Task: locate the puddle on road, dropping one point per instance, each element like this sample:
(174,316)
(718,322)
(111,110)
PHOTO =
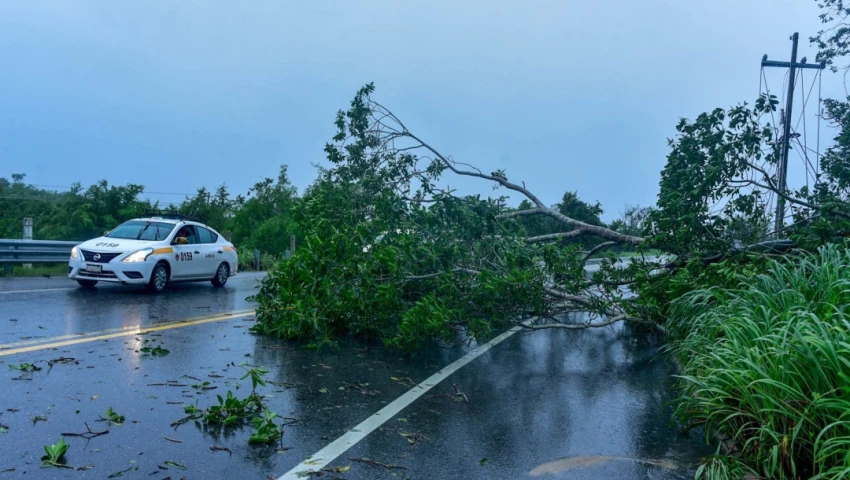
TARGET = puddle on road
(562,465)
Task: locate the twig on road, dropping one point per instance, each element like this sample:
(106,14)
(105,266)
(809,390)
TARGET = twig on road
(216,448)
(364,391)
(50,363)
(89,434)
(292,421)
(377,464)
(290,385)
(458,395)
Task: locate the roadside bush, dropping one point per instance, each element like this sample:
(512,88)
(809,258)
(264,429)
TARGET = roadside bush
(246,259)
(268,261)
(768,364)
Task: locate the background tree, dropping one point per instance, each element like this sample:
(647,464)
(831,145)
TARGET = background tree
(212,208)
(265,218)
(571,206)
(633,220)
(73,215)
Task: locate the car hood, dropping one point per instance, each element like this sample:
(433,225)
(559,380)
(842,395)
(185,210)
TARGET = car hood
(120,245)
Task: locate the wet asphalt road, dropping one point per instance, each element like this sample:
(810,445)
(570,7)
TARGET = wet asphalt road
(596,397)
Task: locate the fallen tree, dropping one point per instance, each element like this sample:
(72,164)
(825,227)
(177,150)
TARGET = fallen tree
(392,252)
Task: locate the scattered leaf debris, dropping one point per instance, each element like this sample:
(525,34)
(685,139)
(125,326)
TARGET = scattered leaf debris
(377,464)
(216,448)
(122,472)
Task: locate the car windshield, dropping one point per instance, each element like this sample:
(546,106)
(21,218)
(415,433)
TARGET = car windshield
(142,230)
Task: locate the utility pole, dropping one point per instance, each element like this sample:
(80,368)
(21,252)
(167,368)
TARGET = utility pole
(782,173)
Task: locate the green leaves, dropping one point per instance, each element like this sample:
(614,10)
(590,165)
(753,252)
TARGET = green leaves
(266,430)
(113,417)
(705,197)
(54,453)
(25,367)
(256,374)
(155,351)
(232,411)
(761,356)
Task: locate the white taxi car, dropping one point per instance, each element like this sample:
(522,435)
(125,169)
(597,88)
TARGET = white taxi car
(154,251)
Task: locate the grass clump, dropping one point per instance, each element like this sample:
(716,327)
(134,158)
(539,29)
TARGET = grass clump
(768,365)
(37,270)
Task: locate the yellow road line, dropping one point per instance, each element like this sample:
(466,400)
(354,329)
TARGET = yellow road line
(9,292)
(95,336)
(135,328)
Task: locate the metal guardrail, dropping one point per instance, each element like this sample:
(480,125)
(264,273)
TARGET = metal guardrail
(35,251)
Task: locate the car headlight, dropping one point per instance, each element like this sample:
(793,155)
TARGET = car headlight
(139,256)
(74,253)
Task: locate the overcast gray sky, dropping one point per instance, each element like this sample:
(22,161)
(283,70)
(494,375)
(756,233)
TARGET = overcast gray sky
(565,95)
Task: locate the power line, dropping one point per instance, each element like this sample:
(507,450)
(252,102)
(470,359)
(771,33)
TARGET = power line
(782,171)
(817,166)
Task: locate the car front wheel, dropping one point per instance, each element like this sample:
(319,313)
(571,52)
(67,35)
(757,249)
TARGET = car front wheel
(159,278)
(221,275)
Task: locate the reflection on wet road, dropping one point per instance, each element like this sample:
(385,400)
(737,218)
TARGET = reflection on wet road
(54,307)
(544,405)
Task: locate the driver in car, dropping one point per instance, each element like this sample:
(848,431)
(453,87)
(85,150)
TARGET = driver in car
(182,237)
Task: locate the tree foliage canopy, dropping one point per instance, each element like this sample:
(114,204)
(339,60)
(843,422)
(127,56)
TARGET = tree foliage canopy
(390,253)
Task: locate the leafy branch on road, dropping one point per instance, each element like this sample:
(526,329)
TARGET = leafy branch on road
(231,410)
(112,417)
(54,454)
(266,430)
(25,367)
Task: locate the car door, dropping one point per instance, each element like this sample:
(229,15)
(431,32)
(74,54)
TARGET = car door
(187,257)
(210,255)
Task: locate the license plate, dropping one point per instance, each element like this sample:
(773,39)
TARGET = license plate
(94,268)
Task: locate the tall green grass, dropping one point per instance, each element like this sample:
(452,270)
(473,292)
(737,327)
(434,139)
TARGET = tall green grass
(768,364)
(37,270)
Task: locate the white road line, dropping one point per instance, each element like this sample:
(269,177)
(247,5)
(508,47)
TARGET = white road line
(36,290)
(336,448)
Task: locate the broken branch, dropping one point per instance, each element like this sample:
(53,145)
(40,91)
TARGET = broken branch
(89,434)
(377,464)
